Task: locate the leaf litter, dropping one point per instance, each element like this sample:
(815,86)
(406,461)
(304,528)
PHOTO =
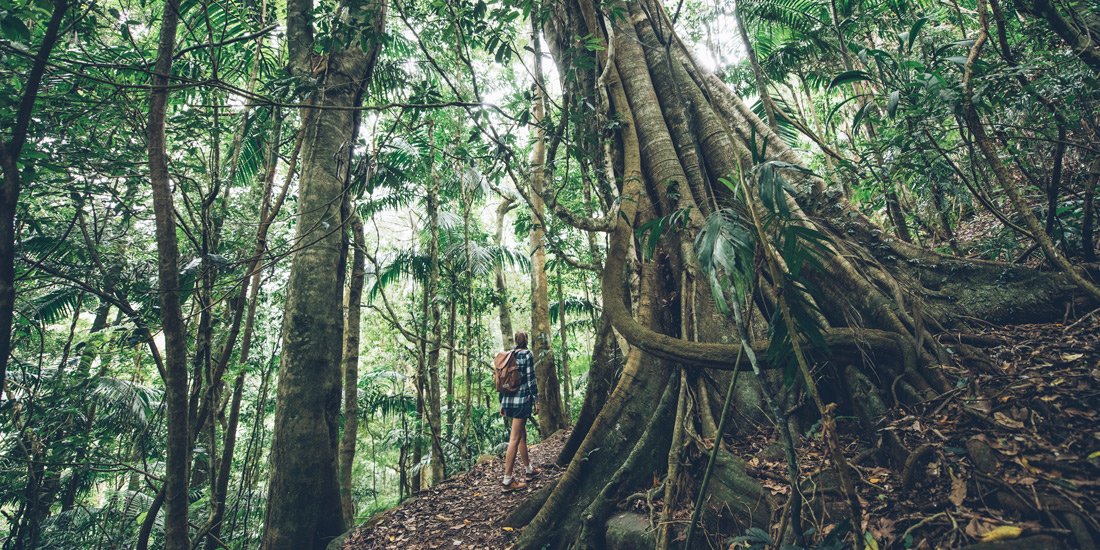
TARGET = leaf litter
(465,511)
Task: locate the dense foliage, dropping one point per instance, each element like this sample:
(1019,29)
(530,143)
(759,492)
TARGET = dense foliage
(875,95)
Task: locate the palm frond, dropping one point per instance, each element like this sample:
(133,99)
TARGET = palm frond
(573,306)
(125,401)
(804,15)
(404,264)
(724,248)
(53,306)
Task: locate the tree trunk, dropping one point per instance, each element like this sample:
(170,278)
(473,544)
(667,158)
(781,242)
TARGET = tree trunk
(552,416)
(175,337)
(221,487)
(10,152)
(566,378)
(303,507)
(506,331)
(679,126)
(757,72)
(431,344)
(1088,220)
(351,369)
(1079,40)
(467,337)
(452,315)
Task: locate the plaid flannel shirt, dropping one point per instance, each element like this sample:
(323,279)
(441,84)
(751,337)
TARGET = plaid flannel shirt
(528,388)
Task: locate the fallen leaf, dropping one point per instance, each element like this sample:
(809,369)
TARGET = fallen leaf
(958,491)
(1067,357)
(976,526)
(509,529)
(1004,532)
(1004,420)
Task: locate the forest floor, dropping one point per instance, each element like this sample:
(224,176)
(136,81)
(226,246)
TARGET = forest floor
(1012,452)
(465,511)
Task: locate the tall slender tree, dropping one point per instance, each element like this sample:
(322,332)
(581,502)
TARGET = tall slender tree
(350,435)
(506,333)
(10,151)
(552,415)
(175,337)
(303,507)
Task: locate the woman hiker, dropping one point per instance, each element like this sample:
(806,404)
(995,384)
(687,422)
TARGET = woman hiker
(519,406)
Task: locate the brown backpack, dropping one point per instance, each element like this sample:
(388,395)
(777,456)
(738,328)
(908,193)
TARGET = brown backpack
(506,375)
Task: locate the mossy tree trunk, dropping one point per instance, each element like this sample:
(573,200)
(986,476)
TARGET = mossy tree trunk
(350,435)
(678,131)
(552,415)
(431,344)
(303,507)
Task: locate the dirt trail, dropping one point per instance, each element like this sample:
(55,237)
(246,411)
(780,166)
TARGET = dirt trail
(466,511)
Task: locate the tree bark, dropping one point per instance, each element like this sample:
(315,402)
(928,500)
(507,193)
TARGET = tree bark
(552,416)
(175,337)
(351,369)
(1079,40)
(303,508)
(757,72)
(221,487)
(506,332)
(566,378)
(10,152)
(431,344)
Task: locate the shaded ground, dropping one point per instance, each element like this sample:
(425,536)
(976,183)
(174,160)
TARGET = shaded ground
(1013,451)
(1015,445)
(466,511)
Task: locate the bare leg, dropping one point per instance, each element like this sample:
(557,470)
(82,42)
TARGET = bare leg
(524,458)
(514,440)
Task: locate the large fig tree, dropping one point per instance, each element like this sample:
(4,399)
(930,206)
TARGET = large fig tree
(723,247)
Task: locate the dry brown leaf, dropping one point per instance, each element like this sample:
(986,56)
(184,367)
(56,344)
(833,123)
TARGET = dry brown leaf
(958,491)
(1007,421)
(976,527)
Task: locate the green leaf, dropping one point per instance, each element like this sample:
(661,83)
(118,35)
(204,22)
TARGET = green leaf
(862,112)
(892,105)
(847,77)
(835,110)
(15,30)
(914,32)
